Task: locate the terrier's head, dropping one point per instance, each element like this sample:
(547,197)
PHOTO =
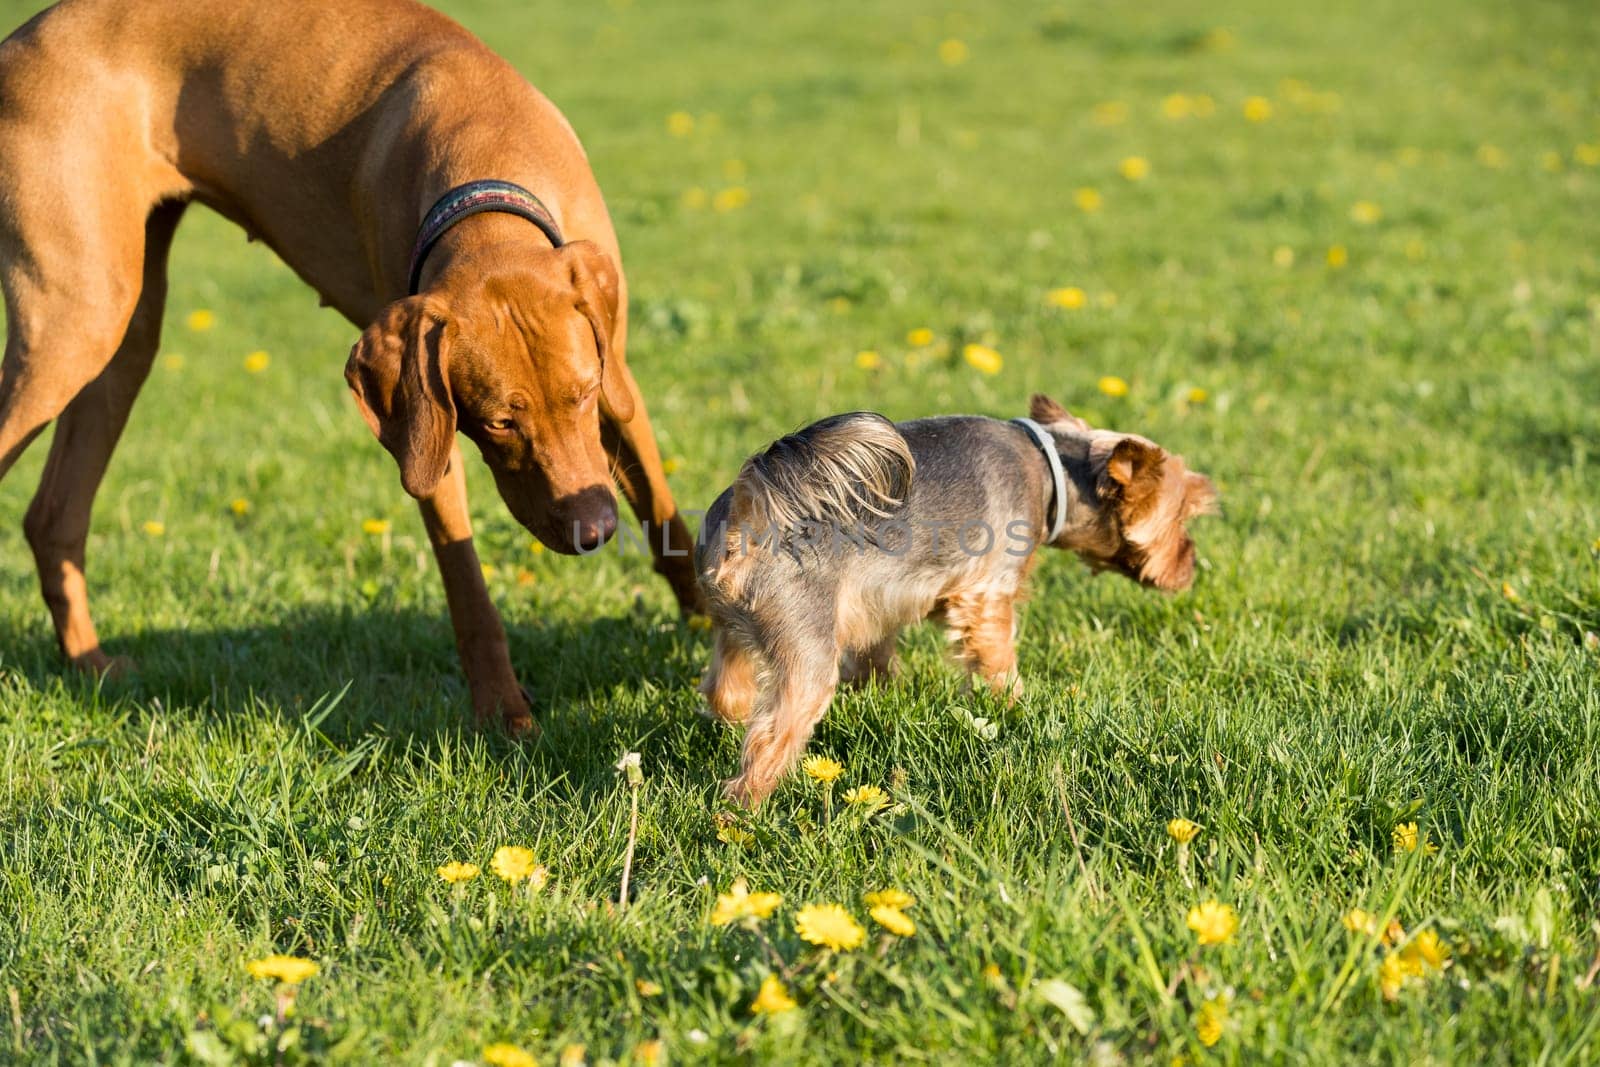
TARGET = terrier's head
(1131,500)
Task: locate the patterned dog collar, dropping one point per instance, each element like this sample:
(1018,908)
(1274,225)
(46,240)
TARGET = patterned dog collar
(1058,474)
(471,199)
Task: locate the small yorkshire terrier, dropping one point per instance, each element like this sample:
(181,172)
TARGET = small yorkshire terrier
(837,536)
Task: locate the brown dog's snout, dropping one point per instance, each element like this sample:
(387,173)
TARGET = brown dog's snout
(588,518)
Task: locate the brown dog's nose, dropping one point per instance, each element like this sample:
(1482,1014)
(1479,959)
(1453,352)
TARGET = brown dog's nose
(592,524)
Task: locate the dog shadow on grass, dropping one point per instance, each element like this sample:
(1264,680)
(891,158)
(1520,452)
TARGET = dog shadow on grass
(393,671)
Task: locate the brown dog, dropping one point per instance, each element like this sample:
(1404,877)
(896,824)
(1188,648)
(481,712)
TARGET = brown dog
(329,131)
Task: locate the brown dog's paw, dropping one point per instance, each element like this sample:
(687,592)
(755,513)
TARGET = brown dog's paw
(112,668)
(511,714)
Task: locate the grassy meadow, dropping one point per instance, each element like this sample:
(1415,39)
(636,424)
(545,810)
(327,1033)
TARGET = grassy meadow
(1346,261)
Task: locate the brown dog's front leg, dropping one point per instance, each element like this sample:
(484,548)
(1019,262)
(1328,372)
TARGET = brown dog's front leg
(480,637)
(637,462)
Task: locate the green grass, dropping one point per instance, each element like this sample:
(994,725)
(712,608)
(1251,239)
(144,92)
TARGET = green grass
(1394,440)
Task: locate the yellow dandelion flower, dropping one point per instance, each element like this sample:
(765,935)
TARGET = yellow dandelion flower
(536,547)
(1551,161)
(1405,837)
(893,920)
(154,528)
(257,361)
(867,359)
(1491,156)
(898,899)
(1110,113)
(821,768)
(375,527)
(488,570)
(512,863)
(739,904)
(1113,386)
(1587,154)
(921,337)
(454,872)
(735,835)
(573,1055)
(1432,949)
(734,170)
(1365,212)
(1391,976)
(672,465)
(505,1054)
(239,506)
(773,999)
(1182,830)
(1338,256)
(700,622)
(870,797)
(1415,250)
(680,124)
(1394,933)
(1283,257)
(1177,106)
(830,926)
(1070,297)
(1257,108)
(290,970)
(526,577)
(647,988)
(652,1053)
(172,361)
(200,320)
(694,198)
(983,358)
(1211,1020)
(1509,591)
(1358,921)
(1087,199)
(1134,168)
(953,53)
(1213,923)
(730,199)
(1197,395)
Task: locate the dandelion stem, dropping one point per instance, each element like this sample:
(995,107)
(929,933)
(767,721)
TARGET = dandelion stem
(633,839)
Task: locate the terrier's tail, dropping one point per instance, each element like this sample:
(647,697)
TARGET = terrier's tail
(841,469)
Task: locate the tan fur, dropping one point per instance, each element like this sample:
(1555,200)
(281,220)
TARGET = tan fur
(1131,519)
(326,130)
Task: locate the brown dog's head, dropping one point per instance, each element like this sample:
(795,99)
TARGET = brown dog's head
(1133,500)
(517,354)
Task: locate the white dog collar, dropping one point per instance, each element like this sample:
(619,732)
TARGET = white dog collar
(1047,445)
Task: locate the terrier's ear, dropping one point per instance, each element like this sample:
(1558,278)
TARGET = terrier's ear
(1134,463)
(1045,410)
(1199,495)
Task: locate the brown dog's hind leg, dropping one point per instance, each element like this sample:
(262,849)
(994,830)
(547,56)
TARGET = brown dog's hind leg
(57,523)
(730,682)
(795,692)
(636,462)
(480,636)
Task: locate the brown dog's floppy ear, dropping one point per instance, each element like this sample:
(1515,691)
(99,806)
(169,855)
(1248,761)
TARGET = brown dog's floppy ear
(400,374)
(597,283)
(1043,409)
